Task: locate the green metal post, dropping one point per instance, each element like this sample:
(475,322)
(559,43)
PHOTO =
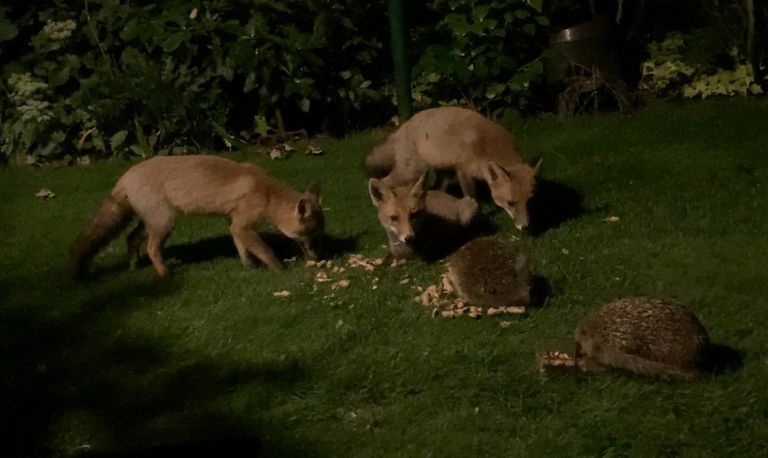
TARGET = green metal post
(400,59)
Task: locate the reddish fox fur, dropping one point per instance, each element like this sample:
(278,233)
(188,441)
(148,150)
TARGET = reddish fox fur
(465,141)
(159,189)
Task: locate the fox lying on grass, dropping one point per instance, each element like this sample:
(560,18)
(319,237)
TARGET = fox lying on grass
(467,142)
(420,222)
(159,189)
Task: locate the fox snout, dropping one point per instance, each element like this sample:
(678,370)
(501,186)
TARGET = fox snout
(402,236)
(520,218)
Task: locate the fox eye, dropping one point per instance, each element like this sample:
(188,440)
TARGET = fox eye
(394,218)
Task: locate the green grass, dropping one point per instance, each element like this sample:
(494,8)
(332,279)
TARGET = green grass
(209,357)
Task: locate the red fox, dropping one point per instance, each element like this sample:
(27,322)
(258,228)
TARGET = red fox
(405,212)
(467,142)
(159,189)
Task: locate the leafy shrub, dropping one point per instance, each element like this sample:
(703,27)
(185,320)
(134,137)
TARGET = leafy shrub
(671,71)
(483,53)
(109,77)
(133,78)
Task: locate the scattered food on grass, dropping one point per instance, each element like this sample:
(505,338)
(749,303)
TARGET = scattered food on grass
(360,261)
(554,359)
(501,310)
(283,293)
(443,302)
(398,262)
(611,219)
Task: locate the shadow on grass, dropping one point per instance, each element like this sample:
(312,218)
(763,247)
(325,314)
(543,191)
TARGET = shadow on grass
(234,448)
(541,290)
(552,204)
(719,359)
(222,246)
(76,379)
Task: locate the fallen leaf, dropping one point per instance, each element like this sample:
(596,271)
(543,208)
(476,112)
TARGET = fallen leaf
(313,151)
(45,193)
(283,293)
(611,219)
(277,153)
(517,309)
(447,285)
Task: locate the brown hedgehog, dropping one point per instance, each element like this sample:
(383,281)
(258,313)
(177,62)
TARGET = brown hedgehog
(488,272)
(647,336)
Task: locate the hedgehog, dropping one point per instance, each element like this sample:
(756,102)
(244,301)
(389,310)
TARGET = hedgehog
(488,272)
(652,337)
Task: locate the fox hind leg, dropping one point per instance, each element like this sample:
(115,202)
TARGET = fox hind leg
(158,226)
(137,242)
(156,237)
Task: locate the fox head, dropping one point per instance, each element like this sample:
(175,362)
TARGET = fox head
(400,209)
(307,223)
(511,188)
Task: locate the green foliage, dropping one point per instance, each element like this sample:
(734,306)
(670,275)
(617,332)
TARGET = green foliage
(106,77)
(112,78)
(676,68)
(483,54)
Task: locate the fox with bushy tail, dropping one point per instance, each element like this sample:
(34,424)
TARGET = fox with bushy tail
(159,189)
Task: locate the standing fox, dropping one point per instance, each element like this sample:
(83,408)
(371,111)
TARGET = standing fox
(418,221)
(467,142)
(159,189)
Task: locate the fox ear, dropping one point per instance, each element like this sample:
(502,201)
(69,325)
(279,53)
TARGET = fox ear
(493,171)
(538,165)
(303,208)
(379,191)
(420,187)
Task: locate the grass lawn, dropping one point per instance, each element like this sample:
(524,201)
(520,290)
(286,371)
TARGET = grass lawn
(208,359)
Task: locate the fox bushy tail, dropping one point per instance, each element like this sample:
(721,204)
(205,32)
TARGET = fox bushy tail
(112,217)
(381,160)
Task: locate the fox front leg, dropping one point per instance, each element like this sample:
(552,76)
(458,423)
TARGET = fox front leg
(467,184)
(247,240)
